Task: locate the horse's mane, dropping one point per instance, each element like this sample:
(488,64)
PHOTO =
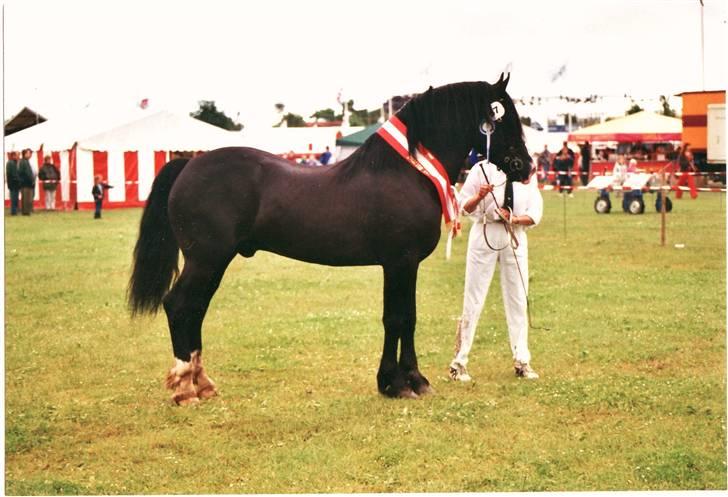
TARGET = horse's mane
(463,103)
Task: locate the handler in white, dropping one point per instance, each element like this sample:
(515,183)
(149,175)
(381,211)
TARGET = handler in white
(481,260)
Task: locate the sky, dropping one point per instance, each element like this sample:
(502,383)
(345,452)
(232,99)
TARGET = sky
(249,55)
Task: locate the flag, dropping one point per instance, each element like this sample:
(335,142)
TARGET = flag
(559,73)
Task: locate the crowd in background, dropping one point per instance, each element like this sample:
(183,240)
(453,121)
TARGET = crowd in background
(21,180)
(560,169)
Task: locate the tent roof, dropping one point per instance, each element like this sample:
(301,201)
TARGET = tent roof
(642,126)
(358,138)
(98,128)
(62,132)
(162,130)
(25,118)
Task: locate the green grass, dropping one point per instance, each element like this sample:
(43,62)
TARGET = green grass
(632,392)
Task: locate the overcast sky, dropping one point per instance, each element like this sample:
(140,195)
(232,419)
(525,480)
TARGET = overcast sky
(247,56)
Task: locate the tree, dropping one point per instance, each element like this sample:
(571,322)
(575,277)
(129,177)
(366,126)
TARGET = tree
(666,109)
(208,113)
(326,115)
(362,117)
(292,121)
(633,110)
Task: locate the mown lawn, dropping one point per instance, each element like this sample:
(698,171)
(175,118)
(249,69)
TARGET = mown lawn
(632,392)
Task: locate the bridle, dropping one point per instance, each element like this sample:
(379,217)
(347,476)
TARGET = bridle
(487,129)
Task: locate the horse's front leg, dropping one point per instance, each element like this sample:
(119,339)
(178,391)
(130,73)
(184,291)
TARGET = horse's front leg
(395,379)
(407,355)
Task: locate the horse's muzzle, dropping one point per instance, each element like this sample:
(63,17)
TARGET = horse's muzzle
(516,169)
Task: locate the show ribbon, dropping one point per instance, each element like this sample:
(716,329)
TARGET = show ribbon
(394,132)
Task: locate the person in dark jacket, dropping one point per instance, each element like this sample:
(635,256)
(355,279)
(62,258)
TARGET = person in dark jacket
(12,179)
(27,182)
(564,164)
(50,176)
(98,192)
(585,163)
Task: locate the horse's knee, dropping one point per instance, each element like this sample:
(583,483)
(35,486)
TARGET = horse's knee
(402,322)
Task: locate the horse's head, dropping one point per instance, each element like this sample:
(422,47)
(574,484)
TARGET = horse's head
(499,122)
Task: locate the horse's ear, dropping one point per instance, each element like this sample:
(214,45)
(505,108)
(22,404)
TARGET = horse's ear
(500,80)
(505,81)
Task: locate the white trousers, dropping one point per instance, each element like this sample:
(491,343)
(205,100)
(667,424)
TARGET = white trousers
(479,269)
(50,199)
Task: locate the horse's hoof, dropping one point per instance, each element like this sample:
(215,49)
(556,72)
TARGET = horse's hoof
(207,392)
(185,399)
(425,390)
(407,393)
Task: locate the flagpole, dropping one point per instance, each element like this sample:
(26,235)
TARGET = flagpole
(702,43)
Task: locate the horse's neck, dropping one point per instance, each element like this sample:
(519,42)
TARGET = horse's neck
(450,148)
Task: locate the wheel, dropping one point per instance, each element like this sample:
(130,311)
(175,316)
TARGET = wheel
(658,203)
(637,206)
(602,205)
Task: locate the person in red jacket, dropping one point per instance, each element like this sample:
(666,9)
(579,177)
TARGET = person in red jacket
(687,167)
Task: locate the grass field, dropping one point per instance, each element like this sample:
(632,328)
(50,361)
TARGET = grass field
(632,392)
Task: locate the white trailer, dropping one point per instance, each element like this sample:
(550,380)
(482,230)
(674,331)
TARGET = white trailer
(716,134)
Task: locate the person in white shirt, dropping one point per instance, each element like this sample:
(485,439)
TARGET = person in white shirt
(489,242)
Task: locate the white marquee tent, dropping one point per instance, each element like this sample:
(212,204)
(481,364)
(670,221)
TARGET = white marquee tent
(127,149)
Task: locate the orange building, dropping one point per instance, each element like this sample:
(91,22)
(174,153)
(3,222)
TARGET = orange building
(695,117)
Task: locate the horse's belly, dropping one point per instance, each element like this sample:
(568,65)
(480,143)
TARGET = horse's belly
(322,249)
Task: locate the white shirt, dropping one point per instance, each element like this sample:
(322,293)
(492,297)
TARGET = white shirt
(527,200)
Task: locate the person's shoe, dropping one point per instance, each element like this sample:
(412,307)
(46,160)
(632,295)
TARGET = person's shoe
(459,373)
(523,370)
(571,195)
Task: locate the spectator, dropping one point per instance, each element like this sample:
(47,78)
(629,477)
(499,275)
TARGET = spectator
(98,192)
(585,163)
(13,181)
(687,168)
(619,173)
(325,157)
(27,182)
(50,177)
(564,165)
(632,167)
(544,162)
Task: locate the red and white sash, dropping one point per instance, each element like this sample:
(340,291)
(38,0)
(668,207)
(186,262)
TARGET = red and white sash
(394,132)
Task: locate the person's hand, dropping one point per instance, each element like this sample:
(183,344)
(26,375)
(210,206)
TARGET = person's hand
(484,190)
(504,213)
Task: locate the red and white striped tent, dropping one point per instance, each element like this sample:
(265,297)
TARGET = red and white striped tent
(127,150)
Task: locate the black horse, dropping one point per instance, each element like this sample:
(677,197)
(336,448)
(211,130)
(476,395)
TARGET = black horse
(373,208)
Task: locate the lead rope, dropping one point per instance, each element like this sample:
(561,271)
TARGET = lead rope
(508,226)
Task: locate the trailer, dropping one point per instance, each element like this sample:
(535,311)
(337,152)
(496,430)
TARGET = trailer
(633,188)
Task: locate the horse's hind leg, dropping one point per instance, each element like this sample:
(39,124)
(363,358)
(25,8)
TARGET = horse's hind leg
(186,305)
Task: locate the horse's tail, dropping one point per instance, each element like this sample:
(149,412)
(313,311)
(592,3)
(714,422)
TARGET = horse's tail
(156,252)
